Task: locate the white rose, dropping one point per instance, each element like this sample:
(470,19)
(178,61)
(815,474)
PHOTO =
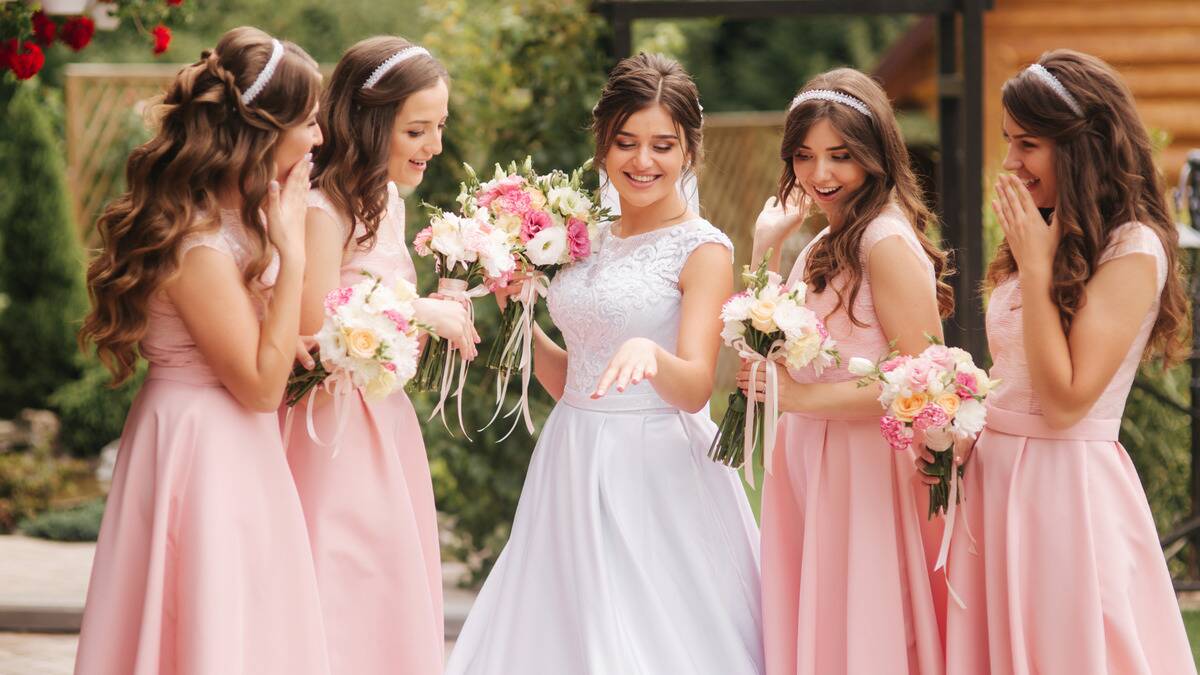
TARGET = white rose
(938,438)
(860,366)
(381,385)
(793,319)
(801,351)
(970,418)
(547,247)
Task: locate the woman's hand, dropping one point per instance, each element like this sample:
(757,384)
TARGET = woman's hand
(448,318)
(1032,241)
(792,394)
(514,287)
(635,361)
(962,453)
(304,347)
(287,206)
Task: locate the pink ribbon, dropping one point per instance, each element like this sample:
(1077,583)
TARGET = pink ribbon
(948,532)
(458,289)
(536,286)
(770,406)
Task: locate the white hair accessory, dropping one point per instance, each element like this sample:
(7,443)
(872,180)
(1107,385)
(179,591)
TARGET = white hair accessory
(402,55)
(1051,81)
(264,76)
(830,95)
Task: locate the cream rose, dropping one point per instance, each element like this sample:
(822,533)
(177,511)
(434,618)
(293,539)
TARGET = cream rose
(949,402)
(382,385)
(762,314)
(361,343)
(906,407)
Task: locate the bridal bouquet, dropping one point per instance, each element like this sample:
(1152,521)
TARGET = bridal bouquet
(549,220)
(767,322)
(940,392)
(367,342)
(466,250)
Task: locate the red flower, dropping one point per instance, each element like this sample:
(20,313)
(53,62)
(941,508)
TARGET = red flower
(174,3)
(25,61)
(78,32)
(162,38)
(44,28)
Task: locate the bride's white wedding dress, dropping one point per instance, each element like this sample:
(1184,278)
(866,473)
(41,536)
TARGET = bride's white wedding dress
(631,552)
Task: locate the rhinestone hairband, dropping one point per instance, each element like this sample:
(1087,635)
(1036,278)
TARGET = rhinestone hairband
(830,95)
(264,77)
(402,55)
(1051,81)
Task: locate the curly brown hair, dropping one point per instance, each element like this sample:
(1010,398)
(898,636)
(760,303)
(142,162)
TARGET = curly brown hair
(1104,165)
(206,139)
(350,167)
(876,144)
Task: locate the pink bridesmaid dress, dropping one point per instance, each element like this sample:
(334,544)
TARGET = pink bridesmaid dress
(203,564)
(1066,575)
(844,582)
(370,511)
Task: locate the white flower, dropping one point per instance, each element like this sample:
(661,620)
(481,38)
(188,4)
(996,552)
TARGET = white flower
(938,438)
(737,308)
(548,247)
(792,318)
(970,418)
(801,351)
(732,332)
(569,202)
(860,366)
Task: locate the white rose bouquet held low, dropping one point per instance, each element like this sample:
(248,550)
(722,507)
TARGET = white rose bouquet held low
(940,392)
(549,221)
(368,342)
(765,323)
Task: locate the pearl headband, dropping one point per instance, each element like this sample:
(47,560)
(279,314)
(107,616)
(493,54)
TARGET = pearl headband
(393,60)
(830,95)
(264,77)
(1051,81)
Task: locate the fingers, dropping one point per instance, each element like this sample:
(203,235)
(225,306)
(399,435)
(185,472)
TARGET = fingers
(606,379)
(302,354)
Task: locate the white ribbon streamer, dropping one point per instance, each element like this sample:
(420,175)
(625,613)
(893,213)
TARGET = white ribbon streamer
(458,290)
(536,286)
(770,406)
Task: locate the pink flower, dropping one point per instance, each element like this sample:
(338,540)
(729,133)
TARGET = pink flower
(931,416)
(336,298)
(397,318)
(939,354)
(919,370)
(577,239)
(390,366)
(533,222)
(821,330)
(492,283)
(421,241)
(897,435)
(968,387)
(892,364)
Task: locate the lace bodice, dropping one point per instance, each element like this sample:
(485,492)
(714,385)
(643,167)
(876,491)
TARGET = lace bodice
(1006,336)
(628,287)
(866,341)
(389,258)
(167,341)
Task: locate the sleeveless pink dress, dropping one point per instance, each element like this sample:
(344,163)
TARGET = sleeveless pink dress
(844,580)
(370,510)
(1067,576)
(203,564)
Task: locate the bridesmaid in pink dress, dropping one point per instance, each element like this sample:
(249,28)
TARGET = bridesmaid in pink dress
(1066,575)
(844,582)
(203,564)
(370,511)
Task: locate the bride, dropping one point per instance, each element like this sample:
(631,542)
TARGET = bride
(631,551)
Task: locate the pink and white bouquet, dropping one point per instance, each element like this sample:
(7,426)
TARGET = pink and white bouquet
(765,323)
(550,220)
(367,342)
(940,393)
(467,250)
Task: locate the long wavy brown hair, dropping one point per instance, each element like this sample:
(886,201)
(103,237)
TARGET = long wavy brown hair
(207,141)
(638,82)
(351,166)
(876,144)
(1104,166)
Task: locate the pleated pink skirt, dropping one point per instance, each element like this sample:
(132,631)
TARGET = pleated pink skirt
(845,580)
(1066,574)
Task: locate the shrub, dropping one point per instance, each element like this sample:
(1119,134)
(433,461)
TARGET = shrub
(77,523)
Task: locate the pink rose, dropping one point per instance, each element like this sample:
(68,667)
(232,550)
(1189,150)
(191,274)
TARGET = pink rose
(533,222)
(397,318)
(939,354)
(577,239)
(336,298)
(968,387)
(892,364)
(897,435)
(930,417)
(918,373)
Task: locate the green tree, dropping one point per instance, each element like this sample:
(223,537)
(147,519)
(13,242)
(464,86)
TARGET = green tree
(41,261)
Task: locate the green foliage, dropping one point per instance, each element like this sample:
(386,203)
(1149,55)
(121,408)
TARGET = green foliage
(31,480)
(41,260)
(77,523)
(91,411)
(1158,439)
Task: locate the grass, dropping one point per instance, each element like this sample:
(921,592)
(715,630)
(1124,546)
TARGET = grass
(1191,621)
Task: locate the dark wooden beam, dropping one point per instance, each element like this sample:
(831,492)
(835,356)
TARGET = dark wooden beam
(766,9)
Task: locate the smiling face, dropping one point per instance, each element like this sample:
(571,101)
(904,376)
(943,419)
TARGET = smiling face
(646,157)
(296,142)
(1031,159)
(825,170)
(417,134)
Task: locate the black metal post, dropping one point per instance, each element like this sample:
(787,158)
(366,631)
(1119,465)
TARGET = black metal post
(1192,192)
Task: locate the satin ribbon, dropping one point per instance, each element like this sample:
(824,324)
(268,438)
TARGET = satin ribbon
(536,286)
(340,388)
(457,289)
(770,406)
(948,532)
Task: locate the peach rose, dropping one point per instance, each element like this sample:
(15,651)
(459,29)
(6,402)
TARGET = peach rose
(949,402)
(361,343)
(905,408)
